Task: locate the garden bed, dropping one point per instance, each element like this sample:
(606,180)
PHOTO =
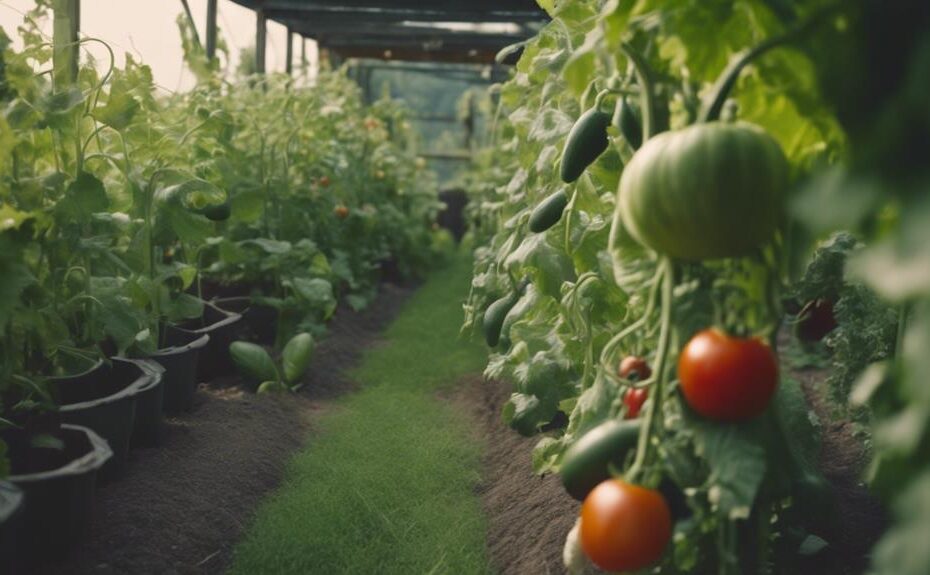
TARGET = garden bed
(528,516)
(183,506)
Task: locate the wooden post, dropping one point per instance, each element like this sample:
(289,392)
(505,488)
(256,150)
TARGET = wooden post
(65,37)
(211,30)
(261,33)
(303,55)
(289,59)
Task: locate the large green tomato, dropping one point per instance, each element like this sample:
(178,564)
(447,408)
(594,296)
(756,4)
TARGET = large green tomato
(709,191)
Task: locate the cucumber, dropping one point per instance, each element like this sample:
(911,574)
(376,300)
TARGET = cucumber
(548,212)
(494,318)
(629,123)
(216,212)
(585,464)
(586,141)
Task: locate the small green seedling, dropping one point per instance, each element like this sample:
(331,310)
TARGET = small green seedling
(257,364)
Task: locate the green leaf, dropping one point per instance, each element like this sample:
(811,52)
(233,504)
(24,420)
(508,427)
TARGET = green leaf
(14,278)
(248,206)
(295,358)
(271,247)
(55,103)
(119,110)
(84,196)
(253,361)
(525,414)
(316,292)
(268,387)
(737,466)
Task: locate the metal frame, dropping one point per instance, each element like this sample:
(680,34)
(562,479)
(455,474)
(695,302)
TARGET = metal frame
(378,29)
(402,29)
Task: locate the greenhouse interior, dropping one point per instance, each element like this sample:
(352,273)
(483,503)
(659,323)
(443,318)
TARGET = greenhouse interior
(423,287)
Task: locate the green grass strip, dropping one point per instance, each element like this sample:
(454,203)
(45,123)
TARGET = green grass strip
(386,484)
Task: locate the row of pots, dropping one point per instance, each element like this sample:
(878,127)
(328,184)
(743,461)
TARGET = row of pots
(46,504)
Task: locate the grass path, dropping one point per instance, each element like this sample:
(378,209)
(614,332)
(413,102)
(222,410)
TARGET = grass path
(386,484)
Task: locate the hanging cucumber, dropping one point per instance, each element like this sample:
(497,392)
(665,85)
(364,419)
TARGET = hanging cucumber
(548,212)
(586,141)
(630,124)
(494,316)
(587,462)
(216,212)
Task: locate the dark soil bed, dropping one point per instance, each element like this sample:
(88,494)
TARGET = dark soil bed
(859,518)
(528,516)
(182,507)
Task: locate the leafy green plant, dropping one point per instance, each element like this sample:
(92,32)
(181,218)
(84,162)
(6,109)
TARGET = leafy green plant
(256,363)
(654,246)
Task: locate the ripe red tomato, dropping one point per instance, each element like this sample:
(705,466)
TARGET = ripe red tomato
(727,378)
(624,527)
(634,368)
(341,212)
(634,399)
(815,320)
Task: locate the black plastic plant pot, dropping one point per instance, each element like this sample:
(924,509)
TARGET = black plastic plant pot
(11,519)
(147,429)
(260,320)
(105,400)
(180,377)
(222,326)
(58,485)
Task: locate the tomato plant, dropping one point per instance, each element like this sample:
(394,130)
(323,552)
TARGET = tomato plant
(122,207)
(702,210)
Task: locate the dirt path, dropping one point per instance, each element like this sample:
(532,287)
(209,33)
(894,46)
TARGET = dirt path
(182,507)
(528,516)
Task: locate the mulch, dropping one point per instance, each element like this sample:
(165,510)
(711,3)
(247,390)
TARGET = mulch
(181,507)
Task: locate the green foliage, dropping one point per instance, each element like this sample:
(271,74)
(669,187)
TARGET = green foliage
(119,205)
(598,294)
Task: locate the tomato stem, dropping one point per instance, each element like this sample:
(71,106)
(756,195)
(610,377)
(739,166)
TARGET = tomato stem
(610,347)
(654,412)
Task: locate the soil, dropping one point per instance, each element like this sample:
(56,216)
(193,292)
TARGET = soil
(528,515)
(181,507)
(859,518)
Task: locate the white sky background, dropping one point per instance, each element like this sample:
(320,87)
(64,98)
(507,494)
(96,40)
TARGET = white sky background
(147,29)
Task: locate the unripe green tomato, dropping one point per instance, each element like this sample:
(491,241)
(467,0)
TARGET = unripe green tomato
(709,191)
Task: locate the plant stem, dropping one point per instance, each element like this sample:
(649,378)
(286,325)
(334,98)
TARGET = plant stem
(654,413)
(712,108)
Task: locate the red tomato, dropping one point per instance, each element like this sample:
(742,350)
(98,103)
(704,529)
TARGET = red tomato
(624,527)
(727,378)
(815,320)
(341,212)
(634,399)
(634,368)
